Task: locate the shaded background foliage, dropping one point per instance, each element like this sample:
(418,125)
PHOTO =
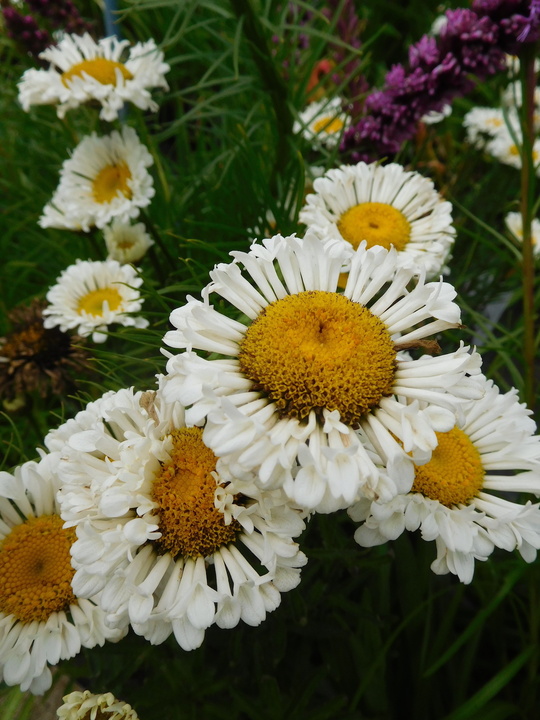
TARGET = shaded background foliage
(368,634)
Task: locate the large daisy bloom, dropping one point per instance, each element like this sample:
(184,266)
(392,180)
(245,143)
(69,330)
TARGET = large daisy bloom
(164,535)
(105,178)
(322,123)
(457,498)
(294,389)
(88,706)
(514,223)
(385,206)
(42,619)
(82,70)
(90,296)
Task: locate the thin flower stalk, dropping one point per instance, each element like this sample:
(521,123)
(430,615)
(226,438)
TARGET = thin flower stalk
(528,179)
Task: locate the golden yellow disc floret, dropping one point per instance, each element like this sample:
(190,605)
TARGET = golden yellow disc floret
(35,569)
(111,180)
(184,490)
(328,125)
(319,350)
(455,473)
(377,223)
(101,69)
(92,302)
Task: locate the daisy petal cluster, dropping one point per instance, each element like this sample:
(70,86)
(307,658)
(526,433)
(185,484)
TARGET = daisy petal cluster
(125,242)
(105,178)
(323,122)
(90,296)
(42,619)
(514,223)
(464,498)
(82,70)
(163,530)
(313,371)
(85,705)
(385,206)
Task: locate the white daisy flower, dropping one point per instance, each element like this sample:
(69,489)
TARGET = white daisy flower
(125,242)
(322,122)
(294,389)
(163,531)
(484,123)
(455,496)
(82,70)
(386,206)
(85,706)
(90,296)
(503,147)
(42,619)
(514,223)
(105,178)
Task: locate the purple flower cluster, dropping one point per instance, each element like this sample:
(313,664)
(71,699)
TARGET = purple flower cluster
(471,43)
(25,31)
(56,14)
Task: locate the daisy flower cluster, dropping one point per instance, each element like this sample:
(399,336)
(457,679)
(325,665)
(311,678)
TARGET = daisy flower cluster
(497,131)
(105,183)
(314,374)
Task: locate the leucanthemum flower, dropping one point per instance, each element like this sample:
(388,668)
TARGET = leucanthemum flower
(322,122)
(87,706)
(105,178)
(294,389)
(42,619)
(484,123)
(457,498)
(504,148)
(82,70)
(514,223)
(164,535)
(125,242)
(385,206)
(90,296)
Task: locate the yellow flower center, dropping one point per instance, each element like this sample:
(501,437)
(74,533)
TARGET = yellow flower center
(93,302)
(378,223)
(328,125)
(319,350)
(101,69)
(455,473)
(110,181)
(514,150)
(184,490)
(35,569)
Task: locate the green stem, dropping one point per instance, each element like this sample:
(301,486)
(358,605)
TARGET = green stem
(171,262)
(275,85)
(528,178)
